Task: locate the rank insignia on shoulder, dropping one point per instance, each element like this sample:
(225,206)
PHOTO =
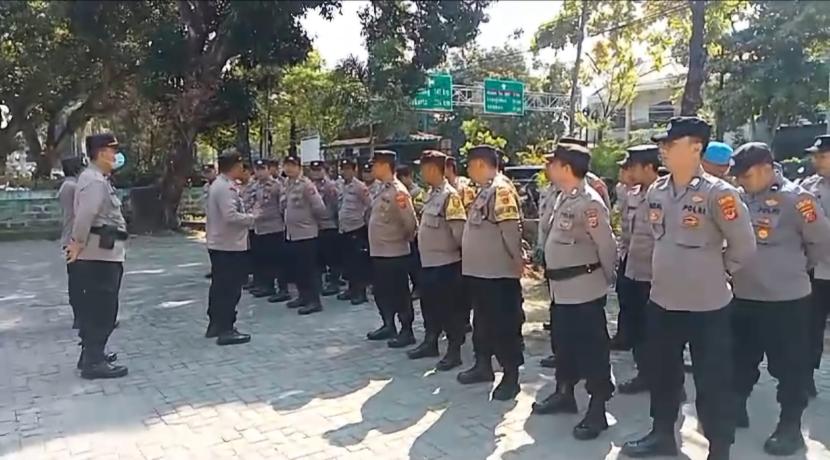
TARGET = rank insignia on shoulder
(728,207)
(807,209)
(401,199)
(455,208)
(592,218)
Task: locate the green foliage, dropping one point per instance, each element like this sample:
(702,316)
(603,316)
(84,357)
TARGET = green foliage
(604,157)
(477,134)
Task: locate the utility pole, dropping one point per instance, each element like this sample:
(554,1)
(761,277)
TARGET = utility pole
(583,19)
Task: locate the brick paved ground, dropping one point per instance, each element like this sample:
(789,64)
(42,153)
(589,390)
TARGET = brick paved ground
(305,387)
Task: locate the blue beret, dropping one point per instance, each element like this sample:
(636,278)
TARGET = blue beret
(718,153)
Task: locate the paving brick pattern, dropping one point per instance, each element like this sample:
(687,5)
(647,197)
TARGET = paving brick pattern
(305,387)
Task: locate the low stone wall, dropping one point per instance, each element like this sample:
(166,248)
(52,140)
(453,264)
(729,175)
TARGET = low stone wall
(36,214)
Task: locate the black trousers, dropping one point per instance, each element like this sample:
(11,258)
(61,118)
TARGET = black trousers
(498,319)
(391,289)
(414,265)
(623,288)
(74,290)
(442,304)
(820,300)
(709,336)
(226,282)
(98,285)
(636,323)
(303,254)
(777,330)
(355,256)
(328,254)
(250,255)
(268,256)
(582,345)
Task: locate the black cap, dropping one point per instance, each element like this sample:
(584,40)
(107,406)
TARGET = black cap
(272,162)
(367,165)
(645,153)
(685,126)
(822,144)
(229,158)
(486,152)
(260,164)
(749,155)
(316,164)
(97,141)
(662,171)
(385,155)
(348,163)
(434,157)
(292,158)
(571,153)
(573,140)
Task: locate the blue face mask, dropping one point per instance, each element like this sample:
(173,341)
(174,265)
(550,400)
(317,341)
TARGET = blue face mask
(120,159)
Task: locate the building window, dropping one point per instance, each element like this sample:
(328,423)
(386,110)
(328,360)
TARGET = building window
(618,119)
(660,112)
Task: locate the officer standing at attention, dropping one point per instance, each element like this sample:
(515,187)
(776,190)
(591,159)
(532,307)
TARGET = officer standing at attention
(367,176)
(72,168)
(227,227)
(303,209)
(717,158)
(96,250)
(772,292)
(493,262)
(354,235)
(580,256)
(641,165)
(461,184)
(622,286)
(245,183)
(329,253)
(209,175)
(440,234)
(268,241)
(691,214)
(819,185)
(392,227)
(404,174)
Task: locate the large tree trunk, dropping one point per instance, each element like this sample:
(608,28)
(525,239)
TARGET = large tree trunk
(692,96)
(243,139)
(178,168)
(583,20)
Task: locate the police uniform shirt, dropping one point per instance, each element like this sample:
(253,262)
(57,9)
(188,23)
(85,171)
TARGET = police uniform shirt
(820,187)
(267,195)
(417,194)
(442,227)
(392,223)
(375,188)
(790,231)
(622,206)
(640,244)
(581,235)
(466,189)
(66,198)
(328,190)
(599,185)
(354,205)
(492,241)
(97,204)
(205,194)
(228,220)
(690,262)
(303,209)
(547,198)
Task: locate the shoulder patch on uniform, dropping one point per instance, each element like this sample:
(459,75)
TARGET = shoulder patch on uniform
(402,198)
(728,207)
(807,207)
(592,217)
(455,208)
(506,206)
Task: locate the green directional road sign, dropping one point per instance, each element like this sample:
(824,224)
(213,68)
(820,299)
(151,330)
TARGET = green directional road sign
(504,97)
(437,95)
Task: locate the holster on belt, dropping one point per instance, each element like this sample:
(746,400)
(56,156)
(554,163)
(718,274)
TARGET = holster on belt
(566,273)
(108,235)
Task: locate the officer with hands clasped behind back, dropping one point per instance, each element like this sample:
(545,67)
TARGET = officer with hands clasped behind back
(439,240)
(354,235)
(819,185)
(228,222)
(492,261)
(580,256)
(96,251)
(329,253)
(268,239)
(772,292)
(692,214)
(304,210)
(392,227)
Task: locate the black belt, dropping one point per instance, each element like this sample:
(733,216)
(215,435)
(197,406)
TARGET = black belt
(566,273)
(104,230)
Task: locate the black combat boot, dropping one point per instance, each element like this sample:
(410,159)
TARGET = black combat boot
(427,348)
(280,296)
(263,291)
(636,385)
(232,337)
(659,442)
(451,359)
(108,357)
(508,387)
(314,306)
(359,296)
(297,303)
(330,289)
(741,415)
(560,402)
(482,371)
(786,439)
(594,422)
(212,331)
(404,338)
(385,332)
(95,366)
(548,362)
(345,295)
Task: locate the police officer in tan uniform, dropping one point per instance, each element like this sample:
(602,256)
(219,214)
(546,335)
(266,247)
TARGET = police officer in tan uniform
(819,185)
(355,202)
(641,165)
(404,174)
(367,176)
(440,234)
(95,250)
(392,227)
(228,221)
(772,292)
(268,241)
(702,233)
(493,262)
(303,209)
(329,235)
(461,184)
(580,256)
(72,168)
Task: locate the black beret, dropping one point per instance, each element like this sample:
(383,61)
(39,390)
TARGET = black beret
(685,126)
(749,155)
